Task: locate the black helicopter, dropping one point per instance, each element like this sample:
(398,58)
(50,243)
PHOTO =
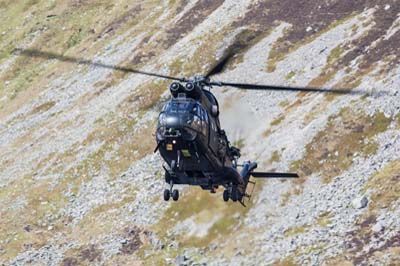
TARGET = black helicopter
(189,135)
(195,148)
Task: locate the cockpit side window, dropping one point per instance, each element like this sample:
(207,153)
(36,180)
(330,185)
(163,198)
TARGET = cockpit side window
(199,110)
(205,116)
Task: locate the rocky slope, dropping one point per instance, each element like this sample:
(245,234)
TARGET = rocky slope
(79,184)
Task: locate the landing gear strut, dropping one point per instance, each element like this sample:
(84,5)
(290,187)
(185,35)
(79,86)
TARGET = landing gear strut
(171,192)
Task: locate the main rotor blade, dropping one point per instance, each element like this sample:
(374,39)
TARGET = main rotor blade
(220,65)
(71,59)
(285,88)
(273,175)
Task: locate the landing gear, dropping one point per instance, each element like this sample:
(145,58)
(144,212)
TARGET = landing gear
(175,194)
(176,165)
(225,196)
(167,194)
(173,165)
(213,189)
(171,192)
(233,193)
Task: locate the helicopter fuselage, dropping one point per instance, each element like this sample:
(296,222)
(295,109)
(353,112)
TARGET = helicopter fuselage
(191,142)
(195,148)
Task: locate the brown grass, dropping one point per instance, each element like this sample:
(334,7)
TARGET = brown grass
(192,204)
(332,150)
(385,187)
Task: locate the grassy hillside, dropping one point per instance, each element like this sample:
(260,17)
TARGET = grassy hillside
(79,184)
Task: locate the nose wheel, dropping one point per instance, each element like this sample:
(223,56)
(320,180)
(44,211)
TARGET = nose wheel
(168,193)
(175,194)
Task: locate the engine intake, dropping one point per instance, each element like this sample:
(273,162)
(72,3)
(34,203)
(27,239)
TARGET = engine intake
(175,88)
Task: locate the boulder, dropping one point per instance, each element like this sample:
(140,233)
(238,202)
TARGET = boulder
(360,202)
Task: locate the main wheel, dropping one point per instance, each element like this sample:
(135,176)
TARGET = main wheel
(225,196)
(167,194)
(234,194)
(175,194)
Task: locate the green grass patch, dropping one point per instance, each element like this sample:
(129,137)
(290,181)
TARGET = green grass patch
(385,187)
(283,104)
(323,78)
(287,261)
(176,66)
(76,37)
(42,201)
(278,120)
(239,143)
(42,108)
(290,75)
(295,164)
(275,157)
(398,121)
(193,205)
(296,230)
(315,112)
(324,219)
(335,55)
(329,70)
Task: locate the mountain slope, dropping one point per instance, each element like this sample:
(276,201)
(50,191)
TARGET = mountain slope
(79,184)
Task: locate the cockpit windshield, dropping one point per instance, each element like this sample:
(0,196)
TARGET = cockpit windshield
(179,106)
(186,115)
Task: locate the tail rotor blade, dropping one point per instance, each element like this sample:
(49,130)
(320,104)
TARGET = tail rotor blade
(273,175)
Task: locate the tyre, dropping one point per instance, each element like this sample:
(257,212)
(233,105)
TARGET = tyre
(167,194)
(225,196)
(175,194)
(235,194)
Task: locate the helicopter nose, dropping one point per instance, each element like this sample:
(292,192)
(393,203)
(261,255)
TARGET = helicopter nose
(172,121)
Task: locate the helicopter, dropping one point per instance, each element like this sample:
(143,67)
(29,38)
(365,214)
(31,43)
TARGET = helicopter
(189,136)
